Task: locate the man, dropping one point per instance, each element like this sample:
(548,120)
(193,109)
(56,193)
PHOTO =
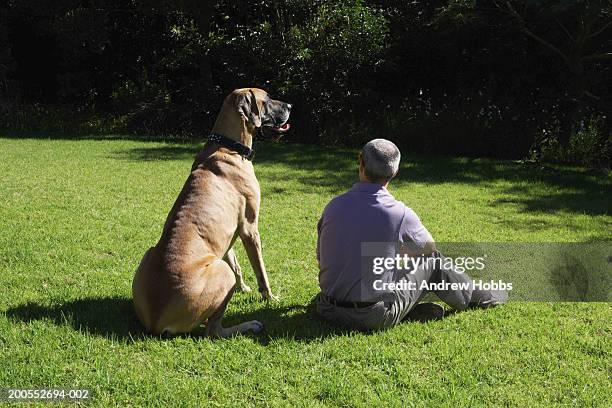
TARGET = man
(367,221)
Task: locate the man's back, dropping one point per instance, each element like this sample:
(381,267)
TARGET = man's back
(366,213)
(363,227)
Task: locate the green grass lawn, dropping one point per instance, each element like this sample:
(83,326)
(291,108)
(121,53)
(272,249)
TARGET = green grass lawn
(77,215)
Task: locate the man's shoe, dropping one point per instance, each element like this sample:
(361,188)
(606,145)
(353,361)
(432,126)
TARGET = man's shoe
(424,312)
(484,299)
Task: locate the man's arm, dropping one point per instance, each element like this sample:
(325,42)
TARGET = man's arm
(415,238)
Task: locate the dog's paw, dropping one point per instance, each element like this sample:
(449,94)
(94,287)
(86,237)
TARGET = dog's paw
(269,296)
(245,288)
(254,327)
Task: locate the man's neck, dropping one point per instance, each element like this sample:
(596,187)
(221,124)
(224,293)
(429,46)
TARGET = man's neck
(365,180)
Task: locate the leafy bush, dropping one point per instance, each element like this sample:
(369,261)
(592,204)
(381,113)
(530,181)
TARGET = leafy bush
(589,146)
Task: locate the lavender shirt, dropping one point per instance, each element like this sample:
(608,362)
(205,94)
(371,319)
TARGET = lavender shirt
(365,213)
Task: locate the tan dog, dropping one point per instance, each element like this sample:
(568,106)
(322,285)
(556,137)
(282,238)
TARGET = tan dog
(189,277)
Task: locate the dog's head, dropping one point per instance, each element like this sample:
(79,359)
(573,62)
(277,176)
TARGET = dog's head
(258,109)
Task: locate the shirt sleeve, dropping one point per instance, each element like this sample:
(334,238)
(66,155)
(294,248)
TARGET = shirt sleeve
(413,233)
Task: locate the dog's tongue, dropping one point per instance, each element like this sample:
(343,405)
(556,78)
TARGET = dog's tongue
(285,127)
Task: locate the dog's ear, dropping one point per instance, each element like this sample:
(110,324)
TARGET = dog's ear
(247,106)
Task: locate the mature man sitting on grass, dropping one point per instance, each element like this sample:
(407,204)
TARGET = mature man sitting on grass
(369,219)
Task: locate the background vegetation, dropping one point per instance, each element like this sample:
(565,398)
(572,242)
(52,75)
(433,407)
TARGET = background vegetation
(527,78)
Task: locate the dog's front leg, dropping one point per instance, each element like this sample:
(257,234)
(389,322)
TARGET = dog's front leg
(232,260)
(252,243)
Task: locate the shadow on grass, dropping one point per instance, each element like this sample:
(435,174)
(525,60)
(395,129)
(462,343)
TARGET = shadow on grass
(156,153)
(296,322)
(534,188)
(114,317)
(111,317)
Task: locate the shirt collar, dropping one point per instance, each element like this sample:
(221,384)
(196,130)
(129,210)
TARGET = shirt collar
(371,188)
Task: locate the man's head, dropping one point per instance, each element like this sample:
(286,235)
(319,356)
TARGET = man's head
(379,161)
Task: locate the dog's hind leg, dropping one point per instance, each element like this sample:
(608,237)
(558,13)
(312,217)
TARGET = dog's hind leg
(232,261)
(220,286)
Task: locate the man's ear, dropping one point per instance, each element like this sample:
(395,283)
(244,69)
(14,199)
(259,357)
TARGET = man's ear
(247,107)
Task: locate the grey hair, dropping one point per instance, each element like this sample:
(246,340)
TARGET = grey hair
(381,159)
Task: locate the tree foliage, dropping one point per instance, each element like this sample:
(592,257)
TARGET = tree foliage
(490,77)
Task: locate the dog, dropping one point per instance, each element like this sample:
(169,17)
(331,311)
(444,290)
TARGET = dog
(189,277)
